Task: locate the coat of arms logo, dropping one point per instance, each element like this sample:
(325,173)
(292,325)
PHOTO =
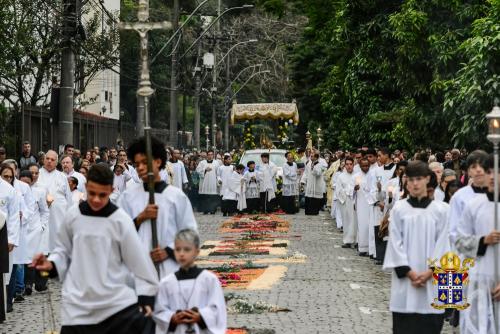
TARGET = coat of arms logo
(451,278)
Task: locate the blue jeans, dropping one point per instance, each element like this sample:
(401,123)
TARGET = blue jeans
(19,280)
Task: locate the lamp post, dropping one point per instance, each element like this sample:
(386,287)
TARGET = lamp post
(207,133)
(318,132)
(494,137)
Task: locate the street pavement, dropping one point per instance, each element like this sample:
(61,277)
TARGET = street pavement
(334,291)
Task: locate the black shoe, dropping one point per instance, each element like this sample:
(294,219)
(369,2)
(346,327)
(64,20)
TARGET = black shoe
(28,291)
(372,257)
(346,246)
(205,213)
(379,262)
(9,308)
(40,288)
(363,254)
(19,298)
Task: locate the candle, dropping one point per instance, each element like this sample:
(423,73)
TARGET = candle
(390,189)
(50,199)
(358,180)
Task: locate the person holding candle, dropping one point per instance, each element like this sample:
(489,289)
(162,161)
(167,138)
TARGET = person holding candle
(290,185)
(362,208)
(378,188)
(345,191)
(58,193)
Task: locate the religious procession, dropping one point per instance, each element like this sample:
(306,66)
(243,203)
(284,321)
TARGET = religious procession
(249,167)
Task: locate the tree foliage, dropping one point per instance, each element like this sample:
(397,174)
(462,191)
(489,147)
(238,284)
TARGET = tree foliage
(401,73)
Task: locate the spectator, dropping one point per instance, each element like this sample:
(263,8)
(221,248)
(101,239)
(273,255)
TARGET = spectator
(26,158)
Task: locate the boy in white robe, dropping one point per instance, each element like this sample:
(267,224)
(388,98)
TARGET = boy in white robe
(267,174)
(209,196)
(476,238)
(378,188)
(415,226)
(290,185)
(476,162)
(172,209)
(224,173)
(97,248)
(345,191)
(190,300)
(362,207)
(234,195)
(335,213)
(252,193)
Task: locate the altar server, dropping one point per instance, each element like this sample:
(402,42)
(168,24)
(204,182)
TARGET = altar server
(9,233)
(476,170)
(180,179)
(415,225)
(96,249)
(252,193)
(345,191)
(172,209)
(190,300)
(267,174)
(378,188)
(59,196)
(207,169)
(476,238)
(362,207)
(290,185)
(224,174)
(234,195)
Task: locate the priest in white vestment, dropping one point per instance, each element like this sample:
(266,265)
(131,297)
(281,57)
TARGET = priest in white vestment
(209,196)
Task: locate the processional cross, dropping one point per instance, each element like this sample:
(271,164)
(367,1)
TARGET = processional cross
(142,27)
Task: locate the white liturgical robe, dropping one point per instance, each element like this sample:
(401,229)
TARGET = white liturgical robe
(174,214)
(203,291)
(208,177)
(413,235)
(58,190)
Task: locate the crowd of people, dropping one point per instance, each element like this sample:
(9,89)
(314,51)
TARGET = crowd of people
(62,211)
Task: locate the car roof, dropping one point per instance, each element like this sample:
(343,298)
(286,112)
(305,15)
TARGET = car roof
(273,150)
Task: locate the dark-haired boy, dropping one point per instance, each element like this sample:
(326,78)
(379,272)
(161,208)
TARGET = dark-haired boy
(477,165)
(96,249)
(416,223)
(172,209)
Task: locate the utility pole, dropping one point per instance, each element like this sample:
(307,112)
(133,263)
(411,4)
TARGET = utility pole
(173,80)
(197,92)
(228,103)
(214,76)
(69,24)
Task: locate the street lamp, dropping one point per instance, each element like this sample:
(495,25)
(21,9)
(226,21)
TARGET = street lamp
(234,46)
(207,133)
(210,26)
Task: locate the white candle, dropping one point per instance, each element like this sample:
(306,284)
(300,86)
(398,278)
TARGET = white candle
(390,189)
(358,180)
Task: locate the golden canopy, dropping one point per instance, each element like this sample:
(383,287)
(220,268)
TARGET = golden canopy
(265,111)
